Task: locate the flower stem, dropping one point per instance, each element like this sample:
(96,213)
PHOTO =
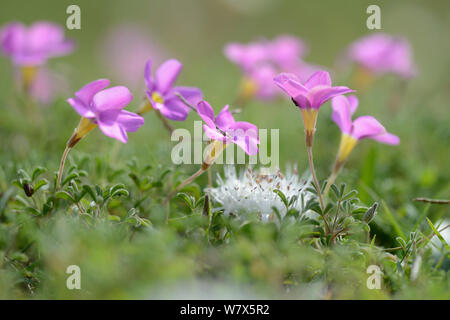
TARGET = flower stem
(185,101)
(61,167)
(331,180)
(166,123)
(181,186)
(316,182)
(210,178)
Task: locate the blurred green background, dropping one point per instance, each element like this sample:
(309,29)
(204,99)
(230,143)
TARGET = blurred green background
(195,32)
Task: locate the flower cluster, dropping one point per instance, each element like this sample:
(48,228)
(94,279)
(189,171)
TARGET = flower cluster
(29,49)
(381,53)
(34,45)
(265,65)
(250,192)
(260,61)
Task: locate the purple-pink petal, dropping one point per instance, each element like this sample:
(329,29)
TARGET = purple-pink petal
(342,115)
(206,112)
(48,37)
(321,94)
(213,134)
(366,127)
(81,108)
(166,75)
(149,82)
(86,93)
(114,98)
(319,78)
(245,135)
(173,108)
(191,94)
(224,119)
(12,37)
(290,84)
(387,138)
(129,121)
(113,130)
(353,103)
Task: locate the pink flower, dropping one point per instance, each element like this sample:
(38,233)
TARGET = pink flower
(105,107)
(246,56)
(47,86)
(34,45)
(310,96)
(125,51)
(260,61)
(364,127)
(225,129)
(286,50)
(162,93)
(382,53)
(313,93)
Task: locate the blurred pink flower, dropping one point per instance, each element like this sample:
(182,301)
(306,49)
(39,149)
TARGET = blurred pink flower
(47,85)
(225,129)
(260,61)
(104,107)
(382,53)
(125,51)
(34,45)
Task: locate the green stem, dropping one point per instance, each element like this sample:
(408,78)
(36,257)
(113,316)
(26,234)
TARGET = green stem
(61,167)
(331,180)
(316,184)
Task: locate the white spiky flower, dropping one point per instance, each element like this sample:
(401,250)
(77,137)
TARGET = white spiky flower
(251,192)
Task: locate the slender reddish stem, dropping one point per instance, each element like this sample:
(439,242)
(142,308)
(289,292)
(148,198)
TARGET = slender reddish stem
(61,167)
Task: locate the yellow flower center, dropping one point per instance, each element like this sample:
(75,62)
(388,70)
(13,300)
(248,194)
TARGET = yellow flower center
(28,75)
(157,97)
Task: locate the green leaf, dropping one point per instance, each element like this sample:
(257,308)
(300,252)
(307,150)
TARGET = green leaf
(187,198)
(349,195)
(166,172)
(65,195)
(69,177)
(120,192)
(116,187)
(392,220)
(91,192)
(282,197)
(292,200)
(277,213)
(40,184)
(24,177)
(437,233)
(37,172)
(113,218)
(342,189)
(335,190)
